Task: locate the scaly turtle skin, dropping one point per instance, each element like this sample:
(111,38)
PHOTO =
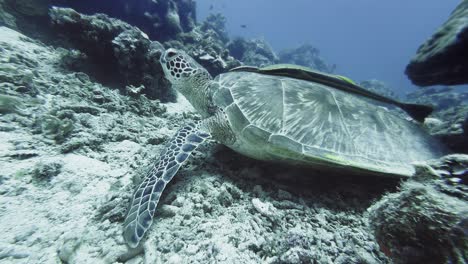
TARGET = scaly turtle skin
(280,116)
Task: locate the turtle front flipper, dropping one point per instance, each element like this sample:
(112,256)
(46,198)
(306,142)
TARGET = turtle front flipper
(146,196)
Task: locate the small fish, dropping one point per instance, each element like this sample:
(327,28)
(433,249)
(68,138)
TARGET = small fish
(243,26)
(211,7)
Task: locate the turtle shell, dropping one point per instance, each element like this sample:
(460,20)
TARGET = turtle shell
(416,111)
(301,122)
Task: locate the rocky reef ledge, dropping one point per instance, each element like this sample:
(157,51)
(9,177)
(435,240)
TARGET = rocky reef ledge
(72,150)
(443,58)
(426,221)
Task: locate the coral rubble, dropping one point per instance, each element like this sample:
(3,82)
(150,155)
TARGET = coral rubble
(426,221)
(74,149)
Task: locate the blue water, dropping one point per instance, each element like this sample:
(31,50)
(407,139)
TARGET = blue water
(367,39)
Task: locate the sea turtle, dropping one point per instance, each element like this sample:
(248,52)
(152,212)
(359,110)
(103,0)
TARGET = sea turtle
(282,113)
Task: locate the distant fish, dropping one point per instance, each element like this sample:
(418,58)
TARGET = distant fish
(243,26)
(211,7)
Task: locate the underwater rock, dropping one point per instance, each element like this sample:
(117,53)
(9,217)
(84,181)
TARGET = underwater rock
(125,57)
(441,98)
(138,59)
(426,221)
(443,59)
(54,128)
(306,55)
(122,53)
(208,211)
(378,87)
(10,104)
(29,7)
(6,18)
(45,170)
(49,198)
(255,52)
(217,23)
(161,20)
(448,121)
(206,44)
(28,16)
(452,130)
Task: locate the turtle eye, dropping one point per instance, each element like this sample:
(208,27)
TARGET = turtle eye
(171,54)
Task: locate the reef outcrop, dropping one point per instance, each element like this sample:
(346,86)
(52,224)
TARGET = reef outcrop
(426,221)
(73,149)
(121,54)
(117,53)
(378,87)
(28,16)
(306,55)
(255,52)
(206,43)
(443,58)
(449,121)
(161,20)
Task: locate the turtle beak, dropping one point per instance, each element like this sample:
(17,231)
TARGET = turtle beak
(163,59)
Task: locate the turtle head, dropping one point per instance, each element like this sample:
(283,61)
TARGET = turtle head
(183,71)
(188,77)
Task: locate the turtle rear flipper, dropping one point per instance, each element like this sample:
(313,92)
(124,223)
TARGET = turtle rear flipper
(417,111)
(146,197)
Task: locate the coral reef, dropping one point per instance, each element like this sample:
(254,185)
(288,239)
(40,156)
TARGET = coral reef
(65,199)
(443,58)
(206,44)
(9,104)
(217,23)
(306,55)
(28,7)
(161,20)
(426,221)
(44,171)
(25,15)
(378,87)
(449,120)
(72,150)
(442,98)
(122,53)
(126,59)
(256,52)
